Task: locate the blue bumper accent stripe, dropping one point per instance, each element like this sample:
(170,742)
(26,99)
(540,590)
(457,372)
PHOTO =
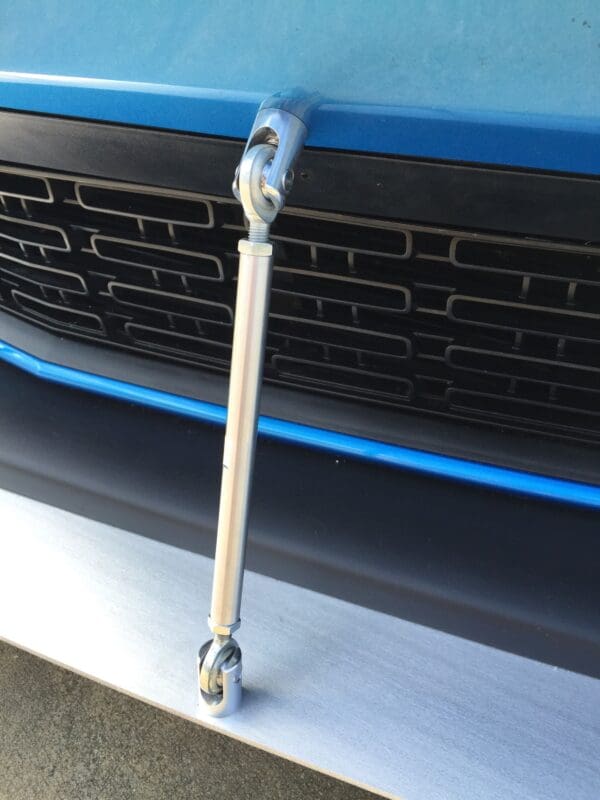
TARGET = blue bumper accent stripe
(338,443)
(539,141)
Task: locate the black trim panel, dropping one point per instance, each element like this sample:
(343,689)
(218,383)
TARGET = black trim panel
(528,202)
(512,572)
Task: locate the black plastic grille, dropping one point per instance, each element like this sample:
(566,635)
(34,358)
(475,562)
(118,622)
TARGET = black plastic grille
(459,323)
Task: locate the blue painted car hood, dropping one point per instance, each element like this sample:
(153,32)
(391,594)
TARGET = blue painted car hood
(514,83)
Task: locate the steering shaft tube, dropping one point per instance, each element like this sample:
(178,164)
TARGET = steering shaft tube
(262,182)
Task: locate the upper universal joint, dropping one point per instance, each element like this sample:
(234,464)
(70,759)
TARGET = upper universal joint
(250,180)
(266,172)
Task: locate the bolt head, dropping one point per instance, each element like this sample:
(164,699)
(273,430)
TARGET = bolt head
(288,181)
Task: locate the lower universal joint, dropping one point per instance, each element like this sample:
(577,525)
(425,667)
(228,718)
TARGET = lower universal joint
(220,676)
(262,182)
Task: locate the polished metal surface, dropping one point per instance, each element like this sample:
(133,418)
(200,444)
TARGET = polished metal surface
(262,182)
(220,662)
(259,210)
(220,676)
(252,305)
(282,121)
(440,718)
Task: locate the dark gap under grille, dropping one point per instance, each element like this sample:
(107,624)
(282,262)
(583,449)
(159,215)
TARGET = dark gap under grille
(484,328)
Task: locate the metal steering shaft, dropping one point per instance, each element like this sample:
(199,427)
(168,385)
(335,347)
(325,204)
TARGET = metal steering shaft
(262,182)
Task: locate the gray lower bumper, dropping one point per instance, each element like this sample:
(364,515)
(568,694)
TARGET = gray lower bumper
(398,708)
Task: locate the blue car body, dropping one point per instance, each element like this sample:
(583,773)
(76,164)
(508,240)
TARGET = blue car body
(505,84)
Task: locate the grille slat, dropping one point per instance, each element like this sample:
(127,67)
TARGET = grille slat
(41,274)
(145,205)
(58,313)
(497,329)
(158,257)
(37,234)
